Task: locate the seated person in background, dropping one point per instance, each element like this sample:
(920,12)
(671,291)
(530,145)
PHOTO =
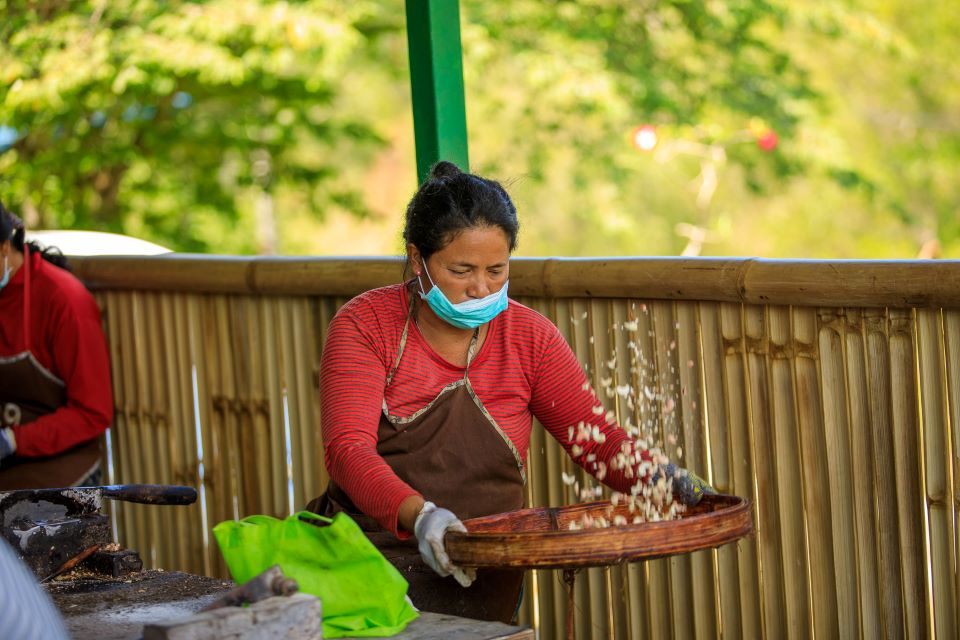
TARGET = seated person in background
(55,394)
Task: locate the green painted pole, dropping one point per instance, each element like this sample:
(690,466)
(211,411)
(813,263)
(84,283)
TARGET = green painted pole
(436,81)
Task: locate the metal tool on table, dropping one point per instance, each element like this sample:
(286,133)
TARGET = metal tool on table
(50,528)
(266,584)
(294,615)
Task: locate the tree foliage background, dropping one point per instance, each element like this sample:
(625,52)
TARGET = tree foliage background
(814,129)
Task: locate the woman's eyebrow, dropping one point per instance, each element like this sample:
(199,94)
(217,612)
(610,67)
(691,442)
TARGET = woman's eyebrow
(473,266)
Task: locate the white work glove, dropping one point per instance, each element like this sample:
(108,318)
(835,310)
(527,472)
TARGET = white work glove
(431,525)
(8,443)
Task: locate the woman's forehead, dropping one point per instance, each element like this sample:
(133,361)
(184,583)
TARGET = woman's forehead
(488,243)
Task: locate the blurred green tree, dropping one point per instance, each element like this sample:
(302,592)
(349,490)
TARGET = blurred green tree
(804,129)
(782,128)
(166,119)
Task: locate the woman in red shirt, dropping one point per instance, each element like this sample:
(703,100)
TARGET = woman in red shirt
(428,391)
(55,395)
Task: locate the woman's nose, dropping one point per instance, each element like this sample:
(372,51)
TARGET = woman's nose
(479,288)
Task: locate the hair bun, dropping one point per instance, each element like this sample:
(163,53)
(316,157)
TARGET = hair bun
(444,169)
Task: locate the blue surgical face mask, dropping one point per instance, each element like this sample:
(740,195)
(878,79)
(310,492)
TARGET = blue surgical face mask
(5,278)
(466,315)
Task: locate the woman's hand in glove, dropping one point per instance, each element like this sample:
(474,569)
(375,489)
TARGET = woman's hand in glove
(688,487)
(431,525)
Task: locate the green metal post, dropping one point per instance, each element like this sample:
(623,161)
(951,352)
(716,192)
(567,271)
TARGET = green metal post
(436,80)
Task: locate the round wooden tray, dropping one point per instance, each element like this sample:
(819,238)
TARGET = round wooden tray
(541,539)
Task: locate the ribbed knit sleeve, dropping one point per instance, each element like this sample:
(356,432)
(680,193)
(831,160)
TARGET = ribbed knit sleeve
(353,372)
(565,403)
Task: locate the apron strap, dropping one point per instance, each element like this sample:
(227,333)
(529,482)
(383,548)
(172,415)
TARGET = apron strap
(403,343)
(471,351)
(26,297)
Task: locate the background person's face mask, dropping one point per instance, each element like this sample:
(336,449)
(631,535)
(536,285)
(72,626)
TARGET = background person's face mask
(466,315)
(5,278)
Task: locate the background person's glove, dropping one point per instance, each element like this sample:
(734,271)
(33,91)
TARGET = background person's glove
(8,443)
(688,487)
(431,525)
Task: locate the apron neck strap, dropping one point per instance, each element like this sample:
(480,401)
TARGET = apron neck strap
(471,350)
(403,336)
(26,297)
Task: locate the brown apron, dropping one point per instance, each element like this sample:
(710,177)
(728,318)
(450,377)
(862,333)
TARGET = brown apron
(455,455)
(28,391)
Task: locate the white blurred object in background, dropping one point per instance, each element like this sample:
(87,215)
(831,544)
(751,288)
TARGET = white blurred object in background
(96,243)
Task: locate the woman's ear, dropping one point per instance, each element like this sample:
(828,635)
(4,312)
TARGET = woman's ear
(415,259)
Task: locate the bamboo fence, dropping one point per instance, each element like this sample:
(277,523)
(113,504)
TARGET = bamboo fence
(825,392)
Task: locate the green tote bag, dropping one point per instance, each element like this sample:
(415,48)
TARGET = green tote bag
(361,593)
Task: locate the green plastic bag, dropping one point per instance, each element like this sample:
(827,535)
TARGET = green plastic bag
(362,594)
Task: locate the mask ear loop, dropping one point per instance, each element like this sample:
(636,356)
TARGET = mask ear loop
(423,293)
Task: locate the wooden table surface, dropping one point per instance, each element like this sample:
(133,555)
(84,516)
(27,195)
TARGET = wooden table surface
(118,609)
(438,626)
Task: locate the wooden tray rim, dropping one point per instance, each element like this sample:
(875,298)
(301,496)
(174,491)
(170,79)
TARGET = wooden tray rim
(736,519)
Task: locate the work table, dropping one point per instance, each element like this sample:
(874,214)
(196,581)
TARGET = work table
(118,608)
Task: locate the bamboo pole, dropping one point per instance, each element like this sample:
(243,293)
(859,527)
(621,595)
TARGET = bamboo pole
(140,458)
(596,580)
(308,479)
(816,483)
(193,410)
(646,416)
(906,445)
(862,472)
(696,456)
(581,343)
(789,474)
(941,560)
(109,302)
(879,376)
(679,569)
(713,399)
(177,371)
(773,601)
(164,423)
(741,464)
(160,436)
(223,345)
(252,398)
(217,374)
(249,444)
(951,321)
(618,576)
(660,598)
(839,465)
(286,349)
(206,333)
(872,283)
(272,414)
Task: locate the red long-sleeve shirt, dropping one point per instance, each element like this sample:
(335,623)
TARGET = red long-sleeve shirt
(523,369)
(66,337)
